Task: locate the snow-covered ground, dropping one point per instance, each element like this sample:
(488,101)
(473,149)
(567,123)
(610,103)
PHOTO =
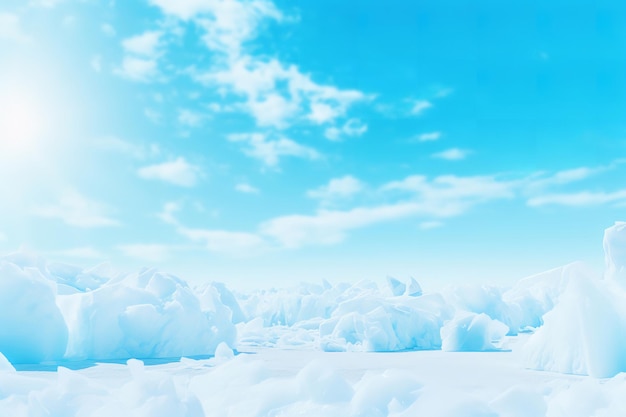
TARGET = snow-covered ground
(552,345)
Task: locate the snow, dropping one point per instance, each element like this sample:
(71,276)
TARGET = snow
(32,328)
(585,333)
(148,344)
(615,252)
(56,312)
(472,332)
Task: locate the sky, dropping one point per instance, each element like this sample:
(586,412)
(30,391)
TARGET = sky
(268,142)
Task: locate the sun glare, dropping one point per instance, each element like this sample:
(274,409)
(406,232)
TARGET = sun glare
(21,124)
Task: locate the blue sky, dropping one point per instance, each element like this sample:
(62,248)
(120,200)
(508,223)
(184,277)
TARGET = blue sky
(261,143)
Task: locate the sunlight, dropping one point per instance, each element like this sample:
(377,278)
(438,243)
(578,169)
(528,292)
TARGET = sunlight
(22,124)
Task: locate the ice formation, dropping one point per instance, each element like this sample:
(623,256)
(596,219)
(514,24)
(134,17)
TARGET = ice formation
(471,332)
(32,328)
(55,312)
(615,252)
(585,333)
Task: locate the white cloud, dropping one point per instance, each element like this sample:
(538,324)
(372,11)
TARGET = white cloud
(190,118)
(331,227)
(108,30)
(138,69)
(226,242)
(146,44)
(583,198)
(258,82)
(178,172)
(430,225)
(420,106)
(353,127)
(273,110)
(429,137)
(273,93)
(343,187)
(540,181)
(450,195)
(444,92)
(322,113)
(76,210)
(150,252)
(169,210)
(246,188)
(227,24)
(11,28)
(453,154)
(134,150)
(269,151)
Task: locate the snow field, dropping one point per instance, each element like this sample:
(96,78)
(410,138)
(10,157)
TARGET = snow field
(465,351)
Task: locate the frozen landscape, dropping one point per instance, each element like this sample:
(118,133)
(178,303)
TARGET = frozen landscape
(312,208)
(87,343)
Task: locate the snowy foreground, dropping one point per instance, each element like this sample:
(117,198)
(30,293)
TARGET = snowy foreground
(552,345)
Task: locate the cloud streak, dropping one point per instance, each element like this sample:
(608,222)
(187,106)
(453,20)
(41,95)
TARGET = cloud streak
(178,172)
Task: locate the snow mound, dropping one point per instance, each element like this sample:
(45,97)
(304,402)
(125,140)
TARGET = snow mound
(245,387)
(142,393)
(57,312)
(32,328)
(471,333)
(145,315)
(382,324)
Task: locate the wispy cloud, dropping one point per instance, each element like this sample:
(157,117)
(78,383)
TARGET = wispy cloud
(444,92)
(11,28)
(177,172)
(167,215)
(190,118)
(138,69)
(226,242)
(353,127)
(145,44)
(453,154)
(419,106)
(337,188)
(416,196)
(269,151)
(433,224)
(330,227)
(76,210)
(246,188)
(429,137)
(141,55)
(124,147)
(583,198)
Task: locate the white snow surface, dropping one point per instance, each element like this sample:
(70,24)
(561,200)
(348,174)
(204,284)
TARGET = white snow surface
(275,382)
